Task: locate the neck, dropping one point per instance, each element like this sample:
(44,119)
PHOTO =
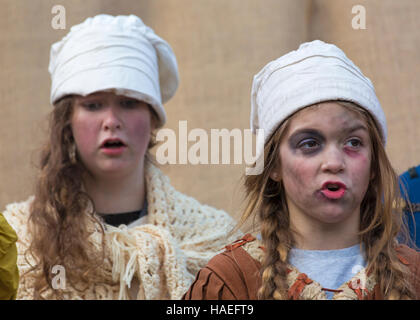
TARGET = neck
(315,235)
(117,194)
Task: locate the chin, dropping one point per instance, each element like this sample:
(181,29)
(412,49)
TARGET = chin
(113,169)
(333,216)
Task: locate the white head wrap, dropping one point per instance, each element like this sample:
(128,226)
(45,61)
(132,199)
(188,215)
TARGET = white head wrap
(119,54)
(316,72)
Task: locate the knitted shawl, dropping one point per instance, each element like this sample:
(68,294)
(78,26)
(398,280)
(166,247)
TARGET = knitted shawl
(160,258)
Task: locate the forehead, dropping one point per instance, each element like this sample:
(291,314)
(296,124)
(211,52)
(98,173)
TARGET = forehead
(326,116)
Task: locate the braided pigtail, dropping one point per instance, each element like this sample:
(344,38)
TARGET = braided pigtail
(277,240)
(266,201)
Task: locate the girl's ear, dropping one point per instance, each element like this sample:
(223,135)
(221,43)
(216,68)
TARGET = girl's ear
(275,175)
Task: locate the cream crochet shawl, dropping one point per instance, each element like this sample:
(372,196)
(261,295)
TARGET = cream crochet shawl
(160,258)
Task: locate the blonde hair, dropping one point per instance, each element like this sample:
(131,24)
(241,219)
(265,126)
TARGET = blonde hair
(380,218)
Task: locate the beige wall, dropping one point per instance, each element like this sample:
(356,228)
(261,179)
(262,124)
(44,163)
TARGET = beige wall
(220,45)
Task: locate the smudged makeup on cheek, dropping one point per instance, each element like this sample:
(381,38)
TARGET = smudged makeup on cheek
(355,154)
(296,170)
(361,163)
(296,148)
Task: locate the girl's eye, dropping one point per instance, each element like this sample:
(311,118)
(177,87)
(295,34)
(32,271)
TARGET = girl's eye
(308,145)
(92,106)
(354,143)
(129,103)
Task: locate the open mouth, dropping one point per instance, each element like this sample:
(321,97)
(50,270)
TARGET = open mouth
(333,190)
(112,144)
(333,187)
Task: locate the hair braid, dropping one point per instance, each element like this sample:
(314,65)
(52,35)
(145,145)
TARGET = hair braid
(277,241)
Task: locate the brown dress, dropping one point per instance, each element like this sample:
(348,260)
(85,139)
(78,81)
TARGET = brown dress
(235,275)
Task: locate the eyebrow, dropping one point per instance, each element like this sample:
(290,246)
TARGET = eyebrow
(355,128)
(309,131)
(318,134)
(313,131)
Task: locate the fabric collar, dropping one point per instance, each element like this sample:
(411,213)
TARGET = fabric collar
(117,219)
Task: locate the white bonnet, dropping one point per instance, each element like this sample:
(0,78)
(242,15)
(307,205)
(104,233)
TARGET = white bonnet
(314,73)
(119,54)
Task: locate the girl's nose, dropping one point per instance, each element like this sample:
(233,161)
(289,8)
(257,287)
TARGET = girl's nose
(333,160)
(112,120)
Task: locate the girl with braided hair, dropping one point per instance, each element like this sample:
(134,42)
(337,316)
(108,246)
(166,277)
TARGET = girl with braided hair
(327,199)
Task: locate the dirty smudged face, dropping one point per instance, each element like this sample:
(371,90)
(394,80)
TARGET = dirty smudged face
(325,164)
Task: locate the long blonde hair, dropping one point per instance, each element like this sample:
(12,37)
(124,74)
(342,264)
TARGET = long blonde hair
(380,219)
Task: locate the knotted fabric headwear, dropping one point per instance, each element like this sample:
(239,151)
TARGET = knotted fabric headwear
(316,72)
(119,54)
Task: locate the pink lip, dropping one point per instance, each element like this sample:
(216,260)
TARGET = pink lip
(112,151)
(334,195)
(111,140)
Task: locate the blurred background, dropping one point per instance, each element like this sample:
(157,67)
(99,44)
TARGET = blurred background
(220,45)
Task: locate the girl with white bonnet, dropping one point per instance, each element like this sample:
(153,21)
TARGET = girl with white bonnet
(327,199)
(104,222)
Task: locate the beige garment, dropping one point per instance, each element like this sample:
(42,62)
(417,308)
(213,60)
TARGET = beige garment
(161,257)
